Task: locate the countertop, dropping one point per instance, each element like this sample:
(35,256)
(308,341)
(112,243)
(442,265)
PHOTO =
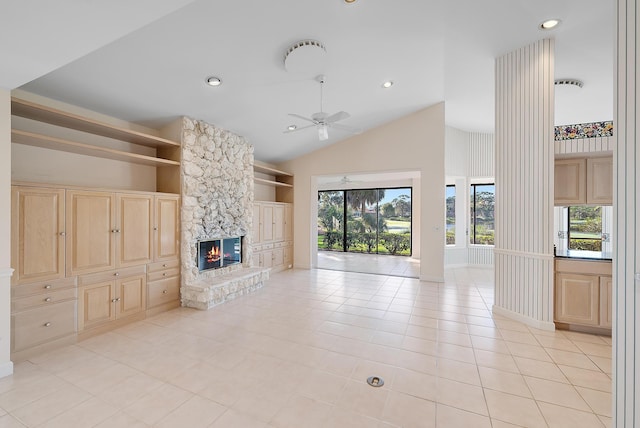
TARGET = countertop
(583,255)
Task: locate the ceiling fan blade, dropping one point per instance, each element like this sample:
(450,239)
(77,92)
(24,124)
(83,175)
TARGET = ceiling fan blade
(303,118)
(288,131)
(350,129)
(341,115)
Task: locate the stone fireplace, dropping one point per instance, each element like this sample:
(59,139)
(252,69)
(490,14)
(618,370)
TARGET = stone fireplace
(217,204)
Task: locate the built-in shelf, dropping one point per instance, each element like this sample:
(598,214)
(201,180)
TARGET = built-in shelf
(272,183)
(47,142)
(64,119)
(271,171)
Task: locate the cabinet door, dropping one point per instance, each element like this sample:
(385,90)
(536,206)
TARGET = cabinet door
(266,259)
(278,257)
(134,230)
(600,181)
(288,256)
(570,182)
(131,295)
(96,304)
(278,223)
(37,234)
(257,224)
(288,222)
(577,298)
(167,228)
(606,305)
(90,232)
(267,223)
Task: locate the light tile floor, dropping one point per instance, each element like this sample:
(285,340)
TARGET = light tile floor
(381,264)
(297,353)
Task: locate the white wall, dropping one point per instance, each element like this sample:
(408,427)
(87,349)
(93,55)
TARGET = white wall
(626,257)
(524,184)
(412,143)
(6,367)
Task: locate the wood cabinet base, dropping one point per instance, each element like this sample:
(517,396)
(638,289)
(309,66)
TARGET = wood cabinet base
(19,356)
(583,328)
(104,328)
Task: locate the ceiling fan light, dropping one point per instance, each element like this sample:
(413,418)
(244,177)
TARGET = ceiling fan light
(323,133)
(387,84)
(549,24)
(292,127)
(214,81)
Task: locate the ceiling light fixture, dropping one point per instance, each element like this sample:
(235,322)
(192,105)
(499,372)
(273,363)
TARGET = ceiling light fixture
(549,24)
(214,81)
(349,1)
(569,82)
(387,84)
(292,127)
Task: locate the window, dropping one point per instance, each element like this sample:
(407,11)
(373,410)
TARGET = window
(451,214)
(374,221)
(482,227)
(585,228)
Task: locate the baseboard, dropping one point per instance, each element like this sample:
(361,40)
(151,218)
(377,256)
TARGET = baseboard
(429,278)
(540,325)
(6,369)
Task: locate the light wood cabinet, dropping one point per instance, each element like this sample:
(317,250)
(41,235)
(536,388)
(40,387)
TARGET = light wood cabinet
(272,234)
(578,299)
(583,293)
(570,185)
(134,224)
(580,181)
(163,285)
(38,229)
(606,304)
(107,297)
(167,228)
(91,227)
(600,181)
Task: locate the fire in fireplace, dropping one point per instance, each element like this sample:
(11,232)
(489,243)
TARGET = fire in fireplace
(217,253)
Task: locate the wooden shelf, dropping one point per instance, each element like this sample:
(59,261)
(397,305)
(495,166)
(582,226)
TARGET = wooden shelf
(272,183)
(268,170)
(53,116)
(47,142)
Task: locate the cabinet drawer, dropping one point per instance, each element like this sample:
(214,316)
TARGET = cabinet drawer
(44,299)
(163,291)
(257,248)
(111,274)
(267,246)
(18,291)
(169,264)
(36,326)
(155,276)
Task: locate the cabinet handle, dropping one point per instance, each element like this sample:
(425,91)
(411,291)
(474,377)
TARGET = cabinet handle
(47,324)
(164,291)
(63,234)
(48,299)
(48,286)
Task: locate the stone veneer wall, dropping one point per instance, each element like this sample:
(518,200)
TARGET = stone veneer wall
(217,193)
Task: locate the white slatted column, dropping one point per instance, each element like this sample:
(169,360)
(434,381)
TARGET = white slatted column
(524,184)
(626,258)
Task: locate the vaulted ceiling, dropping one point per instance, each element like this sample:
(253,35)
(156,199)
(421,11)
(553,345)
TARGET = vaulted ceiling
(147,61)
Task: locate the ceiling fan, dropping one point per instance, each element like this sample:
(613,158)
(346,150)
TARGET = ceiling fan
(323,121)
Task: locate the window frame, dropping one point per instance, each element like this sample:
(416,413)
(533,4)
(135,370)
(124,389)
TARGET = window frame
(472,212)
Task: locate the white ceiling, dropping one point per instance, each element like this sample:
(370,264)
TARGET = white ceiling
(146,61)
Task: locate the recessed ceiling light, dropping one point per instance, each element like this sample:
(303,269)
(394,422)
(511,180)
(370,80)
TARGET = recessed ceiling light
(214,81)
(387,84)
(549,24)
(292,127)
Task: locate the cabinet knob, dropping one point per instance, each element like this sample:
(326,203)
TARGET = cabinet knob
(114,300)
(155,228)
(164,265)
(164,292)
(114,231)
(47,324)
(62,233)
(48,286)
(48,299)
(117,299)
(164,274)
(117,230)
(116,274)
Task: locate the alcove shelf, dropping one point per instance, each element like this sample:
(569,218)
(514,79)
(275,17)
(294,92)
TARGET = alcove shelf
(53,143)
(272,183)
(41,113)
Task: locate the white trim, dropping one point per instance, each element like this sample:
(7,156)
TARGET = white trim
(540,325)
(8,272)
(6,369)
(429,278)
(539,256)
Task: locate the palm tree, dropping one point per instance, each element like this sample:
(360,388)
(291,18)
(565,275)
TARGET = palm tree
(359,199)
